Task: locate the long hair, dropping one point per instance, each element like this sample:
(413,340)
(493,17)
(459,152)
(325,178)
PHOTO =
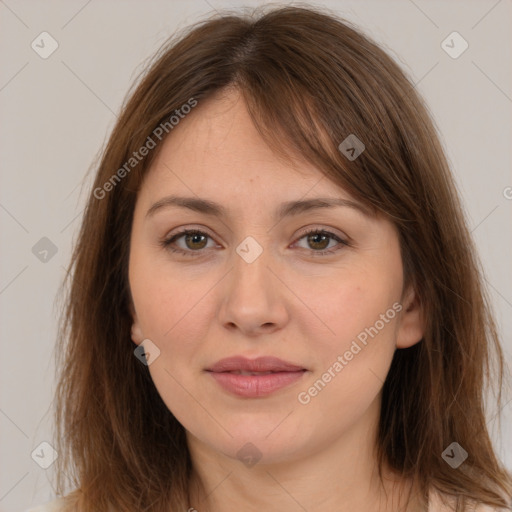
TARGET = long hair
(310,80)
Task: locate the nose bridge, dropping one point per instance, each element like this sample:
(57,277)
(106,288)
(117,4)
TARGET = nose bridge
(250,272)
(252,297)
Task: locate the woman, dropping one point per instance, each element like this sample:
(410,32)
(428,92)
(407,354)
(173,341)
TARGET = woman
(275,302)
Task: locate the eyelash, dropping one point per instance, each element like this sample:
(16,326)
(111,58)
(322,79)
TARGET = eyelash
(166,243)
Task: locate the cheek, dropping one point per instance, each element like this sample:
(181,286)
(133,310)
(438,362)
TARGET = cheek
(166,300)
(340,310)
(351,363)
(172,313)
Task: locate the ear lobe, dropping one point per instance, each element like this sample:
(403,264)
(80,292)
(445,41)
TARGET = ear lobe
(136,334)
(412,323)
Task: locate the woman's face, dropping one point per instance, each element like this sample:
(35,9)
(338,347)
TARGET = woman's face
(254,284)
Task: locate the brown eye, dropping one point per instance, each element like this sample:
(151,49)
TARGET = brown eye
(194,242)
(318,241)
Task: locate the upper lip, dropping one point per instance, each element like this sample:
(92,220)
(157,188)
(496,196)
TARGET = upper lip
(260,364)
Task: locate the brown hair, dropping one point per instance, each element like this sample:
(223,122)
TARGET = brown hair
(309,81)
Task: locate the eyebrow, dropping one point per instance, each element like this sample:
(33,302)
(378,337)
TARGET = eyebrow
(287,209)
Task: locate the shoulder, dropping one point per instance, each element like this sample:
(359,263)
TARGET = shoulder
(51,506)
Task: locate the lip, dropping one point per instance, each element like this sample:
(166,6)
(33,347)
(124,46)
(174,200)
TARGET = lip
(254,386)
(260,364)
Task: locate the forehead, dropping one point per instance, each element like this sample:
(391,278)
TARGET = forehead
(217,151)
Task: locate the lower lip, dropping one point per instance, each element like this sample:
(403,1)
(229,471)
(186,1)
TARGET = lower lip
(255,386)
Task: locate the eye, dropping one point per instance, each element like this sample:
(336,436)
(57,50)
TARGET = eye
(193,239)
(319,240)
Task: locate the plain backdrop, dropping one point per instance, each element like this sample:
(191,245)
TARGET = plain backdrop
(57,112)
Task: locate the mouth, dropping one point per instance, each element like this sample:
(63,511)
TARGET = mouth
(255,378)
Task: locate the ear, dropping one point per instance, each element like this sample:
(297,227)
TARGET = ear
(137,336)
(412,324)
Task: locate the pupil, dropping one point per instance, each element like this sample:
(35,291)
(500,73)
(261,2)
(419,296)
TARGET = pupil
(195,237)
(319,235)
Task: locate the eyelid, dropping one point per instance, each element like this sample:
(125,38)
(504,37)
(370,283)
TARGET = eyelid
(305,231)
(184,229)
(333,231)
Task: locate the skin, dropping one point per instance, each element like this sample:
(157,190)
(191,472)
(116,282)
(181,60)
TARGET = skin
(291,303)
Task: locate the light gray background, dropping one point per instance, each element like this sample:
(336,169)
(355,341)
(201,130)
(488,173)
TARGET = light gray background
(57,113)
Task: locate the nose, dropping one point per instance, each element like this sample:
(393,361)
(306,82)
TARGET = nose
(254,302)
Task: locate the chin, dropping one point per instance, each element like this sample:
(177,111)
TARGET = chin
(259,444)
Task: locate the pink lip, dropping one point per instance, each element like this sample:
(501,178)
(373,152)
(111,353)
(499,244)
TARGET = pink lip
(254,386)
(260,364)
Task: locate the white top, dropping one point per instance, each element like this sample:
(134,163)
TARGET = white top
(435,505)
